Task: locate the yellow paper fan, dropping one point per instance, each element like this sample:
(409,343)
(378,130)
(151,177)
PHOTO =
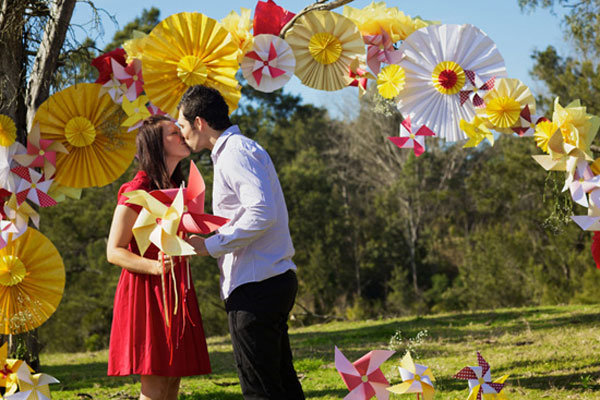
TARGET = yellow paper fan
(89,126)
(188,49)
(324,44)
(503,104)
(32,280)
(8,131)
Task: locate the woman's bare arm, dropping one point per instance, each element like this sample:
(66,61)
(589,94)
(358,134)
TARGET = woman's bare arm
(118,239)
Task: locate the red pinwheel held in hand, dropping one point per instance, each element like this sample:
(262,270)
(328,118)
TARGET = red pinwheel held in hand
(194,220)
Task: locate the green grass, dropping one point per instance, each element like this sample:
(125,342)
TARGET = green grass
(549,352)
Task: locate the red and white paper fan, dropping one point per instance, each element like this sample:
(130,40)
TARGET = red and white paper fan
(270,64)
(435,59)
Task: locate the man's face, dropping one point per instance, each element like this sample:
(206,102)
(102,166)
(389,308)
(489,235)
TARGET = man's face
(189,132)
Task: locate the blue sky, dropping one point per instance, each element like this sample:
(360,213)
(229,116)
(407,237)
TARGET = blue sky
(517,34)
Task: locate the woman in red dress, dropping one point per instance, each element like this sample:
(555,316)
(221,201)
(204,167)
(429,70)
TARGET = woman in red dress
(157,328)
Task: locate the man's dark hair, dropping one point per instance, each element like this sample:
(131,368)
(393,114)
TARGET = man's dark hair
(207,103)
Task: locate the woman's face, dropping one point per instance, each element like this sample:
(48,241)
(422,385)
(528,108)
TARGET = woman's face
(175,146)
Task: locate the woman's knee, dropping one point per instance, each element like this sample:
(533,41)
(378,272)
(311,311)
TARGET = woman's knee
(154,387)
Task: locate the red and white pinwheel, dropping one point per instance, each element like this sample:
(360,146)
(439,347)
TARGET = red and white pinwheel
(193,220)
(34,187)
(410,140)
(270,64)
(480,379)
(359,77)
(364,378)
(131,76)
(380,49)
(8,180)
(527,122)
(104,66)
(475,89)
(41,153)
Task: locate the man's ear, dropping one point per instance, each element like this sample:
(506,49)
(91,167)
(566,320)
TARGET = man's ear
(199,123)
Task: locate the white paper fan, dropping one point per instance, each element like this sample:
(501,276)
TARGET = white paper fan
(442,53)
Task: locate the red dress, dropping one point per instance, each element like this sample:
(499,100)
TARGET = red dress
(140,341)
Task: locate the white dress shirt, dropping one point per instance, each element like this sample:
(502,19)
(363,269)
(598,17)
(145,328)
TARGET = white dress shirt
(255,244)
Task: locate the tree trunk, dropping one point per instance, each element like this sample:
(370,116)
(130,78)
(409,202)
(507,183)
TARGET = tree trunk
(46,60)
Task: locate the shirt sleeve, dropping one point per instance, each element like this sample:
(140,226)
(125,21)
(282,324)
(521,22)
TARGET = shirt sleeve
(247,172)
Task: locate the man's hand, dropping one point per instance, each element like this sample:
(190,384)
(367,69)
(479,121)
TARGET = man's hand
(198,243)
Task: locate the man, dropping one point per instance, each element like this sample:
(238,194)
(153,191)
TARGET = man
(258,279)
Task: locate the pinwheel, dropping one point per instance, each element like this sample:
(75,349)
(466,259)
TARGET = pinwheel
(158,224)
(380,49)
(270,18)
(193,219)
(577,126)
(480,379)
(364,378)
(239,26)
(41,153)
(270,64)
(189,49)
(34,187)
(359,76)
(527,122)
(324,44)
(475,89)
(8,371)
(8,180)
(136,112)
(115,89)
(18,215)
(33,387)
(476,131)
(8,131)
(100,150)
(583,182)
(390,81)
(416,378)
(376,18)
(503,104)
(561,156)
(130,76)
(410,140)
(60,193)
(32,280)
(104,65)
(434,60)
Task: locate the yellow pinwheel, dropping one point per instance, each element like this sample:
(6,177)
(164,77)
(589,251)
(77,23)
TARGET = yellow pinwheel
(188,49)
(60,193)
(32,280)
(416,378)
(9,369)
(89,126)
(33,387)
(577,126)
(136,112)
(159,224)
(477,130)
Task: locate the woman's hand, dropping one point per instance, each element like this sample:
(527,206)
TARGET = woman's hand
(157,265)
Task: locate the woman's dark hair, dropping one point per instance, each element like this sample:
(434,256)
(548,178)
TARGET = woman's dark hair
(151,154)
(207,103)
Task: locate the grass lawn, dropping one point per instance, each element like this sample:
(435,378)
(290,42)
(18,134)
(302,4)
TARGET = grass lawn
(549,352)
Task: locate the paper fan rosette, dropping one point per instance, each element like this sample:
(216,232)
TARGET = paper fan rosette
(505,102)
(435,60)
(32,280)
(89,127)
(188,49)
(270,64)
(324,44)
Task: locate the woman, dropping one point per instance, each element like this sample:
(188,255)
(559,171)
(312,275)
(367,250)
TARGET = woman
(141,340)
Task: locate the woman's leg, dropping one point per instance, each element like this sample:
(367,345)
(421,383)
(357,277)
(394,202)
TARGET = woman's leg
(154,387)
(173,388)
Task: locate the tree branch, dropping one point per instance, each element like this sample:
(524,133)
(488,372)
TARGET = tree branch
(319,5)
(46,60)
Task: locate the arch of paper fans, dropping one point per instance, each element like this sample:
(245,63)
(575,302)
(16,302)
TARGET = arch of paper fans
(448,81)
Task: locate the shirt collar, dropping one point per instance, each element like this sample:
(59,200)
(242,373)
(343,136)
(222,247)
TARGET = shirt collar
(220,143)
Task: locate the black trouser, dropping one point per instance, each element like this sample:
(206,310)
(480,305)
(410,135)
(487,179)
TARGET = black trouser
(258,314)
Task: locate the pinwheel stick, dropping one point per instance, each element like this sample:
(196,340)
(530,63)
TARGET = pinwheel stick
(319,5)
